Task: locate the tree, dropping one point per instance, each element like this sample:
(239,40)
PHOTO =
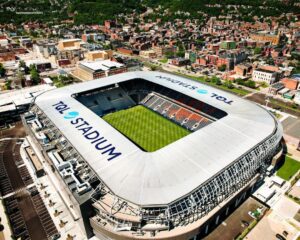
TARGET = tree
(257,50)
(229,84)
(20,79)
(7,85)
(270,61)
(34,75)
(222,68)
(239,81)
(180,54)
(22,64)
(250,84)
(169,54)
(216,80)
(2,70)
(153,68)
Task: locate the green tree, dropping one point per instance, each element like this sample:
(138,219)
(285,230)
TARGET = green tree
(34,75)
(180,54)
(257,50)
(22,64)
(239,81)
(250,84)
(2,70)
(169,54)
(153,68)
(7,85)
(222,68)
(216,80)
(229,84)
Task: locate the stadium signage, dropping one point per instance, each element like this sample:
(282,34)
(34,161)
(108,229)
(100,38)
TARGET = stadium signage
(178,82)
(94,136)
(200,91)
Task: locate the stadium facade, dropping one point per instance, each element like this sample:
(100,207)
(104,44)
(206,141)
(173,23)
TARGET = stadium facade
(121,191)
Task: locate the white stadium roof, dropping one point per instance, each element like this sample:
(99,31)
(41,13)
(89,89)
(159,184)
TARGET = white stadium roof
(163,176)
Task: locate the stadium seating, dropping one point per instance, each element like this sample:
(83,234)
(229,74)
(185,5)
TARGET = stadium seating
(107,101)
(151,100)
(164,107)
(193,119)
(183,110)
(182,114)
(203,123)
(172,111)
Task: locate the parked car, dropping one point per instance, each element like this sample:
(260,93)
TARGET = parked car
(279,237)
(245,223)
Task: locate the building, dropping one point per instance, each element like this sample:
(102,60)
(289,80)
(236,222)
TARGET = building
(179,62)
(276,87)
(92,37)
(3,41)
(69,44)
(297,97)
(228,45)
(231,59)
(46,47)
(261,75)
(99,55)
(148,54)
(7,55)
(242,69)
(16,102)
(180,191)
(162,50)
(266,37)
(70,56)
(98,69)
(41,65)
(125,51)
(290,83)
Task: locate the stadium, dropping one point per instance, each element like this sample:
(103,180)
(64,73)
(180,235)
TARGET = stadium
(149,155)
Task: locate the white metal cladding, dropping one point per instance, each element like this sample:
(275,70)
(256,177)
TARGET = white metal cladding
(168,174)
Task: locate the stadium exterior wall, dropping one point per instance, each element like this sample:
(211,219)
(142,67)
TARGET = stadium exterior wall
(187,213)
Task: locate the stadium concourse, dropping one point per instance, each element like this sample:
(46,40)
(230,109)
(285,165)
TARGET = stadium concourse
(149,155)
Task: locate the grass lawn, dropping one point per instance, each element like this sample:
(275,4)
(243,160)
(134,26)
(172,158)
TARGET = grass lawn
(146,128)
(164,60)
(289,168)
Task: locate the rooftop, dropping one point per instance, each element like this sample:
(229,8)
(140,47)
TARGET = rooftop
(101,65)
(163,176)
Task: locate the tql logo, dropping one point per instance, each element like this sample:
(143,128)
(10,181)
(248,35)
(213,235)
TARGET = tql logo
(71,115)
(89,133)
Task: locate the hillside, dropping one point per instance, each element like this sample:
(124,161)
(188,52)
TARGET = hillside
(95,11)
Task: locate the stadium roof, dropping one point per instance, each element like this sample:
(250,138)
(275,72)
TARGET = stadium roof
(163,176)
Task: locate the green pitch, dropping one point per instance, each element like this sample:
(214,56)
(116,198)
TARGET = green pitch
(146,128)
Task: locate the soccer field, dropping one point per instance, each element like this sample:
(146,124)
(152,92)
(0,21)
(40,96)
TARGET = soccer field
(146,128)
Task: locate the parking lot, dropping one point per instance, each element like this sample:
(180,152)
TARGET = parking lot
(291,126)
(13,174)
(24,207)
(235,223)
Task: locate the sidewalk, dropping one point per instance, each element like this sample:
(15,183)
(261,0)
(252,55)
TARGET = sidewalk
(295,154)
